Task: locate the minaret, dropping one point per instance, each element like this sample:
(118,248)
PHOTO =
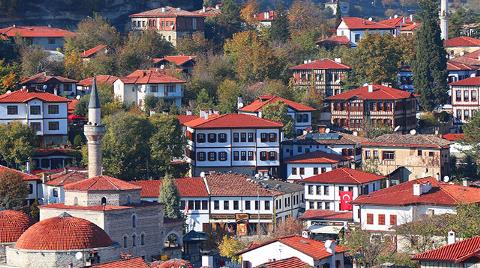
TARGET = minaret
(444,19)
(94,131)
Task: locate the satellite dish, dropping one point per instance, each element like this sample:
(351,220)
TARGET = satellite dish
(327,130)
(413,132)
(396,128)
(78,255)
(446,179)
(44,87)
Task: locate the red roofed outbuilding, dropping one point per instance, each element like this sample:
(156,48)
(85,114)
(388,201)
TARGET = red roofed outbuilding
(325,74)
(182,62)
(377,105)
(461,45)
(462,253)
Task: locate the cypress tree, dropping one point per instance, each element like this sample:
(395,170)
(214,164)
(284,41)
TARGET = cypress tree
(169,198)
(338,13)
(430,64)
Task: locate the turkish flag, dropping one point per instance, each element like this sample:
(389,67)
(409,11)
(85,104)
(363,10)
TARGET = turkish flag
(345,199)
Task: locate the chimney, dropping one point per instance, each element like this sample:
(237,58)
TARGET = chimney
(55,91)
(239,102)
(163,9)
(203,114)
(204,9)
(217,6)
(370,88)
(451,238)
(338,60)
(370,19)
(411,17)
(207,261)
(465,182)
(395,16)
(416,189)
(188,112)
(403,20)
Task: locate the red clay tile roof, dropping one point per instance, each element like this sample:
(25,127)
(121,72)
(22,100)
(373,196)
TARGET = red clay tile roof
(272,15)
(177,60)
(472,58)
(379,93)
(129,263)
(152,76)
(462,41)
(458,66)
(440,194)
(456,252)
(471,81)
(232,121)
(321,214)
(61,179)
(321,64)
(344,176)
(101,79)
(259,104)
(183,118)
(169,12)
(187,187)
(397,22)
(407,140)
(92,51)
(286,263)
(173,263)
(43,78)
(63,233)
(101,183)
(327,138)
(209,11)
(453,137)
(354,23)
(340,40)
(410,27)
(25,176)
(71,105)
(61,206)
(12,225)
(313,248)
(22,96)
(35,31)
(317,157)
(232,184)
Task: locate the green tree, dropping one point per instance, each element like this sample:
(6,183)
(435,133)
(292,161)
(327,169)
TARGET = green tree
(9,76)
(338,13)
(139,50)
(8,51)
(35,60)
(109,104)
(203,101)
(466,223)
(73,65)
(229,246)
(430,64)
(223,26)
(376,59)
(472,138)
(278,112)
(228,92)
(365,251)
(196,44)
(126,151)
(279,30)
(170,199)
(165,143)
(13,190)
(17,143)
(93,31)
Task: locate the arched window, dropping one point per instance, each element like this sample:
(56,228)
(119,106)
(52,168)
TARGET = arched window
(134,240)
(134,221)
(142,239)
(75,201)
(125,241)
(104,201)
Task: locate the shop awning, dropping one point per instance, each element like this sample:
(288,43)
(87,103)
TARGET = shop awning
(325,229)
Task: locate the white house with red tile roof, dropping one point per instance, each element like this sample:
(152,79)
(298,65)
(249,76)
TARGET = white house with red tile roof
(183,62)
(194,199)
(91,53)
(312,252)
(35,190)
(133,88)
(377,105)
(172,23)
(461,45)
(472,59)
(300,113)
(233,142)
(209,12)
(325,74)
(355,28)
(54,84)
(85,85)
(459,71)
(405,202)
(334,190)
(266,18)
(313,163)
(402,24)
(53,191)
(46,113)
(465,98)
(245,205)
(46,37)
(464,253)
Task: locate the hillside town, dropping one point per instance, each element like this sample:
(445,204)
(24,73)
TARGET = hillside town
(240,134)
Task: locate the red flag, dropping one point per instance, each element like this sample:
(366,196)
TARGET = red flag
(345,199)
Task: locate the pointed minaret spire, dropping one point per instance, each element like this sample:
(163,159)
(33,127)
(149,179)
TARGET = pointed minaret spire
(444,19)
(94,131)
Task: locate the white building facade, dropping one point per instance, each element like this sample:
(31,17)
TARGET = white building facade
(356,28)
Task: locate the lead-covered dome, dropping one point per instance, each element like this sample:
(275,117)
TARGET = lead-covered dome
(12,225)
(63,233)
